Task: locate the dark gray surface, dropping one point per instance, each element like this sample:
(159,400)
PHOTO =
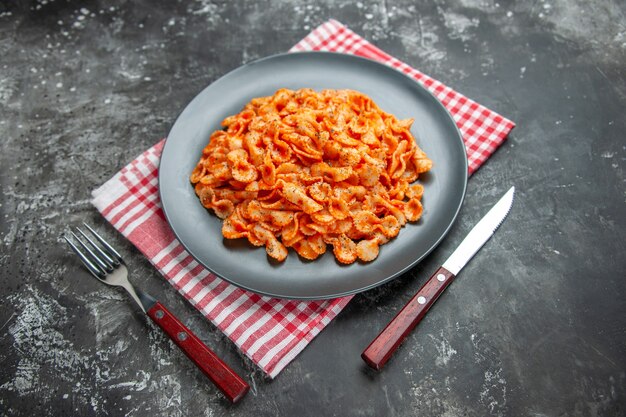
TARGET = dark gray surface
(437,134)
(534,326)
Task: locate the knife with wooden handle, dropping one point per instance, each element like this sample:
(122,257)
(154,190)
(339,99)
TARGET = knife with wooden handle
(381,349)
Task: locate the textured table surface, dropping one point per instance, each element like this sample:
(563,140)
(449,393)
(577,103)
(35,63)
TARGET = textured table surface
(535,325)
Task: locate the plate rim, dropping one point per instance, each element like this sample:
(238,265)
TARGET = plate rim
(390,277)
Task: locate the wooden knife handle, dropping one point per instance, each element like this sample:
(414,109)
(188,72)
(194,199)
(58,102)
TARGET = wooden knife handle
(222,376)
(381,348)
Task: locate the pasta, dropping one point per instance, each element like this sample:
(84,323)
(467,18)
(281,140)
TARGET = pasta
(304,170)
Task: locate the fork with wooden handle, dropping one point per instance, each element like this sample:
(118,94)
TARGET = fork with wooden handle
(106,264)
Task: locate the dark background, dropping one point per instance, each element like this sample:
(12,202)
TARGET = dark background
(534,326)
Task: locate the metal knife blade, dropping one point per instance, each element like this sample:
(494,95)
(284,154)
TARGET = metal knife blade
(382,347)
(480,233)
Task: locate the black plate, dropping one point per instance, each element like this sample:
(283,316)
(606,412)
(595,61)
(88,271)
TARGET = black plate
(249,267)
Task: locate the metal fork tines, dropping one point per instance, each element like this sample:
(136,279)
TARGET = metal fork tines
(107,265)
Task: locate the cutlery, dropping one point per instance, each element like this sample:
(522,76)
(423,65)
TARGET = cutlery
(106,264)
(383,346)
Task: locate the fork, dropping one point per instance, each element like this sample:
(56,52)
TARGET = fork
(106,264)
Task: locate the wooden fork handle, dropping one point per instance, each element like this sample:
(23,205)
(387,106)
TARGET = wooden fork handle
(231,384)
(381,348)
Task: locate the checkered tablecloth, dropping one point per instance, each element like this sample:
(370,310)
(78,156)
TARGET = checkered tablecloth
(270,331)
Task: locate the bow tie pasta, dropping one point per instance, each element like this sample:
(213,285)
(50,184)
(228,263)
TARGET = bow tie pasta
(303,170)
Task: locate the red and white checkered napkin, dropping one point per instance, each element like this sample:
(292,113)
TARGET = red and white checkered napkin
(269,331)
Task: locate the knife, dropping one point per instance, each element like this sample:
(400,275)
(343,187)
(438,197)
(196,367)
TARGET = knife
(381,348)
